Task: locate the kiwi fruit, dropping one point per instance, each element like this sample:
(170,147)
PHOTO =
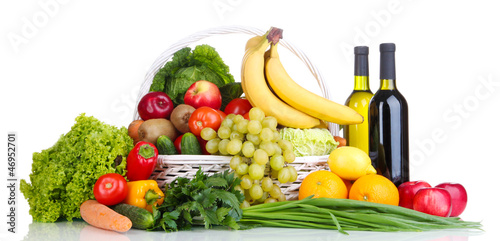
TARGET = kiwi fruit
(180,117)
(151,129)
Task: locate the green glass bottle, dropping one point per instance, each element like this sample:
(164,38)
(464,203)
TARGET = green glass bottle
(359,100)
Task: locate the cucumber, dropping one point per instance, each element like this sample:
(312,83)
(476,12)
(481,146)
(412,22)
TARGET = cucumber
(140,217)
(165,146)
(190,144)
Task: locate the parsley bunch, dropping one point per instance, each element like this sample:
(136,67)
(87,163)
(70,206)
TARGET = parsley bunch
(204,200)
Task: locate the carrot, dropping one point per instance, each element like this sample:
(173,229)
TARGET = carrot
(340,140)
(101,216)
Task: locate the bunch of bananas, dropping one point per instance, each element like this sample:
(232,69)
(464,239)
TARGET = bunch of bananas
(267,85)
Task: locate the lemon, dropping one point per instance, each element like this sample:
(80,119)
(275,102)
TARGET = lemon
(350,163)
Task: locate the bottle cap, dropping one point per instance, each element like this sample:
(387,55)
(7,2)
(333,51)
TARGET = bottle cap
(387,61)
(387,47)
(361,50)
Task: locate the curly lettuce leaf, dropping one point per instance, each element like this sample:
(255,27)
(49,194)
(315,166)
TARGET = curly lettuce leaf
(187,67)
(309,142)
(62,176)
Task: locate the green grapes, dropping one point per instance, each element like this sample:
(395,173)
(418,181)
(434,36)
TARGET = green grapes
(224,132)
(259,156)
(234,146)
(208,133)
(254,127)
(248,149)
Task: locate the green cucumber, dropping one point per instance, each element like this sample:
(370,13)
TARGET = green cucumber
(140,217)
(165,146)
(190,145)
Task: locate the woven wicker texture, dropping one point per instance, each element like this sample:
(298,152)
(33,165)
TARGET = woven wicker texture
(173,166)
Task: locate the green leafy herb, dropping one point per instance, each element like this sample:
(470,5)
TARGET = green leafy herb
(186,67)
(204,200)
(62,176)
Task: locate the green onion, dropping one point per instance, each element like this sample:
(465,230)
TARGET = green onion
(346,214)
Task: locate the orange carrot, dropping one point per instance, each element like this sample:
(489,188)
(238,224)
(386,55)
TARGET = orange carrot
(101,216)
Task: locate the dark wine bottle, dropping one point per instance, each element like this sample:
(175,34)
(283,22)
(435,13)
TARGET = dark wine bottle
(388,123)
(359,100)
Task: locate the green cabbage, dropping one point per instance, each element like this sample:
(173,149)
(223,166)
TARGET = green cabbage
(187,67)
(309,142)
(62,176)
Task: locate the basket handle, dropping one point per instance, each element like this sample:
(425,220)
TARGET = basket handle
(167,55)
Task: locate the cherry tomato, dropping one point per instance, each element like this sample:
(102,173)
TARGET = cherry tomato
(204,117)
(247,116)
(238,106)
(177,143)
(110,189)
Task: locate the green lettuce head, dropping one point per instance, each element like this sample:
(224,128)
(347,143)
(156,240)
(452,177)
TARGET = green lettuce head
(309,142)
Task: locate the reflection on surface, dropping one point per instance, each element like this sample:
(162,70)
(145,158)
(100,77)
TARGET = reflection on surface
(79,230)
(54,231)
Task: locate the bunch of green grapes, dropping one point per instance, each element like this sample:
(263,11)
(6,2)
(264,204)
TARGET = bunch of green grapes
(260,156)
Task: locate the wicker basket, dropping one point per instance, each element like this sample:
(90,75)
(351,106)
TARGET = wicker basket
(173,166)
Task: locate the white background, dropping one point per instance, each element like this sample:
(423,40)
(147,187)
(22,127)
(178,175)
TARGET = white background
(63,58)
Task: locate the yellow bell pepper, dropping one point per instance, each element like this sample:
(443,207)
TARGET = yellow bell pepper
(144,194)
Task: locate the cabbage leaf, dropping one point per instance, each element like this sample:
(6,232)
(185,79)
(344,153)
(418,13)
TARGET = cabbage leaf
(187,67)
(309,142)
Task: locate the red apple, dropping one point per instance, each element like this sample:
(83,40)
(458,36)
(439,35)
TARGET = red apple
(155,105)
(407,191)
(203,93)
(458,197)
(433,200)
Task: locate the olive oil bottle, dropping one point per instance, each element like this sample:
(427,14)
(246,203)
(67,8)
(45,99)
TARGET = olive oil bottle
(388,122)
(359,100)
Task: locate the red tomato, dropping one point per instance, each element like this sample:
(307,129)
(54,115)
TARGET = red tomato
(222,114)
(247,116)
(203,145)
(110,189)
(204,117)
(238,106)
(177,143)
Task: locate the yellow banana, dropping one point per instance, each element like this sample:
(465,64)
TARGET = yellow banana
(258,93)
(254,41)
(302,99)
(251,43)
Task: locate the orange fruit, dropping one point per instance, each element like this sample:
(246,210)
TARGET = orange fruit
(322,183)
(374,188)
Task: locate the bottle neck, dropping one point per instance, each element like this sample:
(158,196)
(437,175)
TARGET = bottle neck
(387,84)
(361,83)
(387,66)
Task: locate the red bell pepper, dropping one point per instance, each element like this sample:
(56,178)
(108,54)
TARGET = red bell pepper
(141,161)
